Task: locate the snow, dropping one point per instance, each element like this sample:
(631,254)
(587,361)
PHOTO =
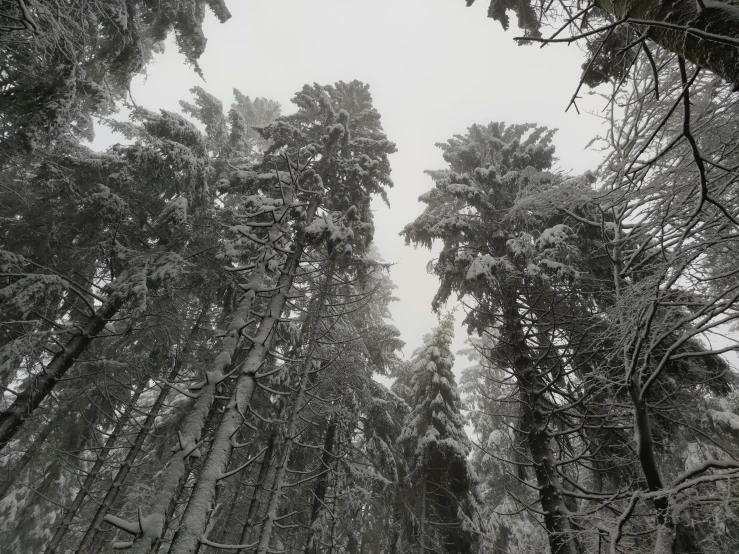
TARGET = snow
(728,420)
(25,294)
(331,228)
(554,236)
(483,266)
(175,212)
(128,526)
(9,260)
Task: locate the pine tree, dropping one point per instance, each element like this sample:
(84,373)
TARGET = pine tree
(446,507)
(277,230)
(113,244)
(156,201)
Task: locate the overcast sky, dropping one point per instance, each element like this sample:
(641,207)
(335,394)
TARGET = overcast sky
(434,68)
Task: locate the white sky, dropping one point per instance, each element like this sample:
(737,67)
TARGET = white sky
(434,67)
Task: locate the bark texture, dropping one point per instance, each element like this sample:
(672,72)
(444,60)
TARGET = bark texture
(194,520)
(93,529)
(319,494)
(534,423)
(259,487)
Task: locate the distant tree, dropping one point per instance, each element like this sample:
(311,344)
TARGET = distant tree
(497,455)
(445,506)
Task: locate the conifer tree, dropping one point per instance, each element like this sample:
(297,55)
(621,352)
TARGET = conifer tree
(446,510)
(62,67)
(111,244)
(706,34)
(339,126)
(510,275)
(169,158)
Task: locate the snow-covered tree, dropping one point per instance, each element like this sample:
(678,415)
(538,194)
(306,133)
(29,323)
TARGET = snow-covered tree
(498,456)
(513,272)
(324,164)
(63,65)
(445,506)
(704,33)
(84,248)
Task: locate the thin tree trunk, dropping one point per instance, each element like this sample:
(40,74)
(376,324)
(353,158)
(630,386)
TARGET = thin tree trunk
(223,531)
(650,470)
(28,455)
(319,494)
(40,386)
(279,481)
(275,499)
(258,488)
(671,538)
(104,507)
(397,523)
(93,473)
(423,517)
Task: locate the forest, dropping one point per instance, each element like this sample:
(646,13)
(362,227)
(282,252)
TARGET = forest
(198,352)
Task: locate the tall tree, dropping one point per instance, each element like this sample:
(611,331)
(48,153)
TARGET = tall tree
(339,126)
(511,281)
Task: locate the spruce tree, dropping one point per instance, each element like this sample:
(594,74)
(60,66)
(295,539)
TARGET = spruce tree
(446,509)
(508,275)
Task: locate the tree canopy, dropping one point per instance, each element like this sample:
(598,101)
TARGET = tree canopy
(197,348)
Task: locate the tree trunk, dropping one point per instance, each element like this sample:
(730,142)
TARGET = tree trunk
(93,473)
(181,495)
(258,488)
(40,386)
(275,499)
(195,518)
(718,18)
(319,494)
(104,507)
(671,538)
(534,423)
(397,521)
(422,531)
(279,481)
(28,455)
(175,470)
